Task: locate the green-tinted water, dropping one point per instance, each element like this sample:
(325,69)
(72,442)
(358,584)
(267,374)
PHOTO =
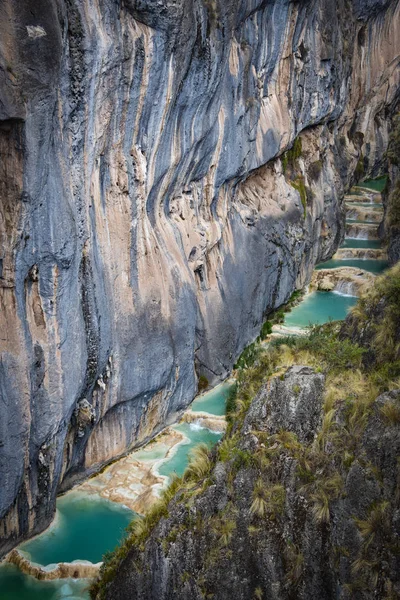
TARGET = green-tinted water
(213,402)
(179,460)
(373,266)
(14,585)
(378,184)
(86,527)
(318,308)
(356,243)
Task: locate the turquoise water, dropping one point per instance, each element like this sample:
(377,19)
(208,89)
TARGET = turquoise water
(318,308)
(86,528)
(378,184)
(213,402)
(356,243)
(373,266)
(178,461)
(14,585)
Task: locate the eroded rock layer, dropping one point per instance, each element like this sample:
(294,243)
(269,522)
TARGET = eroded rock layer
(148,216)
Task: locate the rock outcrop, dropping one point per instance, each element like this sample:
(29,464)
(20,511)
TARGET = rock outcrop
(291,513)
(344,280)
(390,228)
(150,213)
(75,570)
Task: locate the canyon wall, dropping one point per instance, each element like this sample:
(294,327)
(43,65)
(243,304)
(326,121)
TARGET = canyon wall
(389,230)
(150,214)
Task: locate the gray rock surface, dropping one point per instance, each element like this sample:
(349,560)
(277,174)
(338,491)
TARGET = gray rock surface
(291,404)
(212,544)
(146,222)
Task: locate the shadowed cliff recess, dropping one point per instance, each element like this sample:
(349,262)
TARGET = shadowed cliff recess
(170,172)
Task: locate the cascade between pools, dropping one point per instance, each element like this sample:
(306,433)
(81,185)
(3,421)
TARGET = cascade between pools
(91,519)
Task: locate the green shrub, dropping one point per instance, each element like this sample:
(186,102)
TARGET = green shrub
(248,356)
(290,156)
(299,185)
(266,330)
(203,384)
(360,170)
(230,405)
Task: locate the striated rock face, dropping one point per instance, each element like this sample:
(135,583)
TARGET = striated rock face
(147,222)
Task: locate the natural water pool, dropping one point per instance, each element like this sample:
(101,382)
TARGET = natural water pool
(196,435)
(318,308)
(88,526)
(356,243)
(373,266)
(76,534)
(378,184)
(214,401)
(14,585)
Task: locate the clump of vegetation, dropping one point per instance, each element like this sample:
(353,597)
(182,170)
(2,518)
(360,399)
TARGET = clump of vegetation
(299,185)
(360,169)
(290,156)
(200,463)
(375,323)
(268,500)
(248,356)
(202,384)
(266,330)
(212,8)
(391,412)
(289,159)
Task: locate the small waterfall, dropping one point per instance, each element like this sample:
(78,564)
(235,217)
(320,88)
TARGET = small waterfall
(361,231)
(345,288)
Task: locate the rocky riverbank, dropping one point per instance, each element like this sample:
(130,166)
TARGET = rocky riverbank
(300,499)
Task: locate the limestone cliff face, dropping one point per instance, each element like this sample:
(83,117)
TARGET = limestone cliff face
(147,222)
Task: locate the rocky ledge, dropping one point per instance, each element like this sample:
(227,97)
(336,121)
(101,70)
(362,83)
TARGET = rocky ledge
(363,253)
(76,570)
(345,280)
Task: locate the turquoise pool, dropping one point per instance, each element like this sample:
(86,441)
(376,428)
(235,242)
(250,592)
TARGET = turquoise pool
(318,308)
(214,401)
